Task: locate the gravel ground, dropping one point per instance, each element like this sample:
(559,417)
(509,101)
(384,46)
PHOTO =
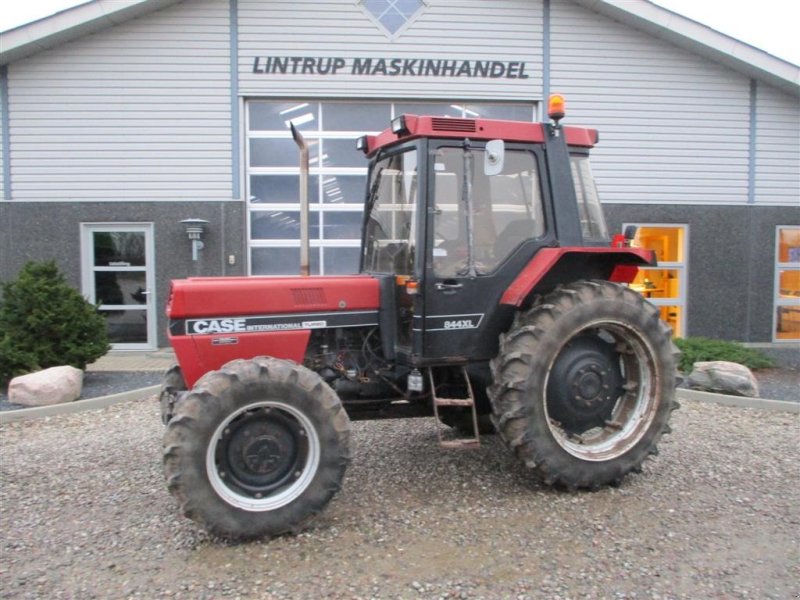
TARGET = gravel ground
(102,383)
(84,513)
(779,384)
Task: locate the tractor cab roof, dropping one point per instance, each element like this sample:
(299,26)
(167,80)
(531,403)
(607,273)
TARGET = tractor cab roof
(407,127)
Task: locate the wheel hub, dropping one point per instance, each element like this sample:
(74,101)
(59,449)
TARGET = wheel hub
(584,384)
(260,453)
(263,455)
(588,385)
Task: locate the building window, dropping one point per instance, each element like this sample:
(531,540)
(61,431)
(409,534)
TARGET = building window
(665,286)
(392,15)
(337,181)
(787,284)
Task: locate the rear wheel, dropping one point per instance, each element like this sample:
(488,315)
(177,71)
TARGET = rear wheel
(584,384)
(256,449)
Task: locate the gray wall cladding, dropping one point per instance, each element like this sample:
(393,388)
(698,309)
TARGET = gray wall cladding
(2,150)
(36,231)
(673,125)
(139,111)
(777,147)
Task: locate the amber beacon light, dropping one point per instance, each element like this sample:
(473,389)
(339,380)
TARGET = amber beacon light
(556,107)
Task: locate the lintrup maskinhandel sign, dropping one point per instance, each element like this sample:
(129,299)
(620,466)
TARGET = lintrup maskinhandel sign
(388,67)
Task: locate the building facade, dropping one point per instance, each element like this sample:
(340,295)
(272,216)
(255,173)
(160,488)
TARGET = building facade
(120,121)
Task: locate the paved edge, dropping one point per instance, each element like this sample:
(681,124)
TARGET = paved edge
(738,401)
(9,416)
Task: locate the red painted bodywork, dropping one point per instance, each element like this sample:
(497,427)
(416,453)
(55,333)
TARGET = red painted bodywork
(229,297)
(547,258)
(478,129)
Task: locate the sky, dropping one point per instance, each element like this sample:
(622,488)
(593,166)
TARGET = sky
(771,25)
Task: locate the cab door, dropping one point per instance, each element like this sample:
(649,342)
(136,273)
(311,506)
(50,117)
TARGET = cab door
(484,225)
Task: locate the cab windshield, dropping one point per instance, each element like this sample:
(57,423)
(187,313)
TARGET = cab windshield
(390,230)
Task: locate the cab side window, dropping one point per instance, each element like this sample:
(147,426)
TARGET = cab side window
(506,210)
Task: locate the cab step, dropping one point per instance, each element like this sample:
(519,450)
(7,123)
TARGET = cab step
(469,401)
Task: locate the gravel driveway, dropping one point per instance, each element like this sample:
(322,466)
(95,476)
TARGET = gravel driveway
(84,513)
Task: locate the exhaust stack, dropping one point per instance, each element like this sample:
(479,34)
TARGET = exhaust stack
(304,241)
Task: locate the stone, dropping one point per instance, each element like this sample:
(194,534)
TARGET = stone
(723,377)
(55,385)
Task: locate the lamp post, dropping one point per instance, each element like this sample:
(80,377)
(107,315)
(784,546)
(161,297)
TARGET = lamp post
(195,229)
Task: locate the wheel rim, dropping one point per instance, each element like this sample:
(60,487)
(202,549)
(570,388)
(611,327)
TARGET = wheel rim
(601,395)
(263,456)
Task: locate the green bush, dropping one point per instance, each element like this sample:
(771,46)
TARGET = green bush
(44,322)
(696,349)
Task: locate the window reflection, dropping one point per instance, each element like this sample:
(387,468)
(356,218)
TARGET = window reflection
(118,249)
(356,116)
(787,277)
(280,189)
(280,152)
(341,261)
(664,287)
(344,189)
(276,116)
(281,225)
(342,153)
(507,210)
(126,326)
(338,171)
(282,261)
(391,227)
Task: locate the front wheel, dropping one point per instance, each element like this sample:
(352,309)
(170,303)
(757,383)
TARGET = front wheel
(584,384)
(256,449)
(171,386)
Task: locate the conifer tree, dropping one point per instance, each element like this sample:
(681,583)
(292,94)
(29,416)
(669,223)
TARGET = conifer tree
(44,322)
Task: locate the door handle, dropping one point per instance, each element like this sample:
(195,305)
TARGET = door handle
(446,286)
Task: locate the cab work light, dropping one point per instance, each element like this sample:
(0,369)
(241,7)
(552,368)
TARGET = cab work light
(399,126)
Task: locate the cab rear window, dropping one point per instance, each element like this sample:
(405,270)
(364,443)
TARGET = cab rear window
(593,223)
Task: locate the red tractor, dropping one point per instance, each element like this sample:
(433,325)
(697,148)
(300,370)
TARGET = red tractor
(488,296)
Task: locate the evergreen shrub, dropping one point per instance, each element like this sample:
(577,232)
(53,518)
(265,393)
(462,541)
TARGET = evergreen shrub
(44,322)
(698,349)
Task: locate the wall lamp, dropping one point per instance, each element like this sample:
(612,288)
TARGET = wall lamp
(195,228)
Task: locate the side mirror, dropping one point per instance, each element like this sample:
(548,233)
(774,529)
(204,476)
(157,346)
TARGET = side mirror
(493,158)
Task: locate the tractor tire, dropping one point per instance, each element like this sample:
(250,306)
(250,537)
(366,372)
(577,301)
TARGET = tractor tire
(584,384)
(256,449)
(172,385)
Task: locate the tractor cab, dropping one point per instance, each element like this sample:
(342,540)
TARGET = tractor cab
(455,210)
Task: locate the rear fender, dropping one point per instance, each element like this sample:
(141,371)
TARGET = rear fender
(552,266)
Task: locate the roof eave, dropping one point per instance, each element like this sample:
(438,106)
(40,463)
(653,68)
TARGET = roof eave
(696,37)
(71,24)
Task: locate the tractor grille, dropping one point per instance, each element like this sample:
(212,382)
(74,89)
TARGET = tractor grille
(460,125)
(306,296)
